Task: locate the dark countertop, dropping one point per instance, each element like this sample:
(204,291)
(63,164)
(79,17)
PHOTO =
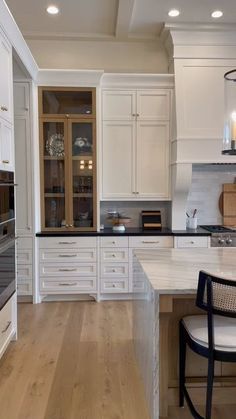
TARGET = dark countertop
(128,232)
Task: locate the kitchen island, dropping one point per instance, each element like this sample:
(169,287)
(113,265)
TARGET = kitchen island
(169,280)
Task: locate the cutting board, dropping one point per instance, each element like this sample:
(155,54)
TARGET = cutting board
(227,204)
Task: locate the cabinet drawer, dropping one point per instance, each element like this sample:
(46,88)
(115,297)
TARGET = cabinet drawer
(24,257)
(6,323)
(67,285)
(24,287)
(110,270)
(138,286)
(82,269)
(118,255)
(66,242)
(114,241)
(24,272)
(191,241)
(151,241)
(115,286)
(65,255)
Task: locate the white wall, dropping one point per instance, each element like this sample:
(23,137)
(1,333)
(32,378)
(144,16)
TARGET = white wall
(149,57)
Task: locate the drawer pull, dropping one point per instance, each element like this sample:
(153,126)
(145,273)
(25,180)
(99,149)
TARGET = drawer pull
(6,162)
(113,255)
(150,242)
(114,242)
(192,242)
(67,269)
(7,327)
(67,243)
(4,108)
(113,270)
(114,285)
(65,284)
(67,256)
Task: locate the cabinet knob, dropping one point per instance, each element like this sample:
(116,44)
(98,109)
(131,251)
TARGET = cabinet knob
(113,270)
(4,108)
(137,114)
(133,114)
(114,285)
(71,225)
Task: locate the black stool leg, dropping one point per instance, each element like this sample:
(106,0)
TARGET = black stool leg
(182,362)
(210,379)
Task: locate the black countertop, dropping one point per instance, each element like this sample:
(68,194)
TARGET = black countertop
(128,232)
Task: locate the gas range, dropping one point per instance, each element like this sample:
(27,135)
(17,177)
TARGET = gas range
(221,236)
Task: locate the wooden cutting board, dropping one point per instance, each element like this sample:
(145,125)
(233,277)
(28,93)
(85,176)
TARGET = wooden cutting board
(227,204)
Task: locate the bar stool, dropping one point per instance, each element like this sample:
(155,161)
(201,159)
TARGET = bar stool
(212,335)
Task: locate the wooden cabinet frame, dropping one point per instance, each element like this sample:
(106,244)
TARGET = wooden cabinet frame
(67,120)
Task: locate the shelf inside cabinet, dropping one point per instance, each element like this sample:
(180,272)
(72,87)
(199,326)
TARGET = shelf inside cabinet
(83,195)
(53,158)
(54,195)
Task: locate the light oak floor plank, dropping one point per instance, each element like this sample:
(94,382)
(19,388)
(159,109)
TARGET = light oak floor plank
(72,360)
(75,360)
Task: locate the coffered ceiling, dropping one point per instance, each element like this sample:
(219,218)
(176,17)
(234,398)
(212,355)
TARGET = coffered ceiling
(112,19)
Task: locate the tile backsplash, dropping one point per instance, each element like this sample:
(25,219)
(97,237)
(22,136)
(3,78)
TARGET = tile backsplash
(133,210)
(207,180)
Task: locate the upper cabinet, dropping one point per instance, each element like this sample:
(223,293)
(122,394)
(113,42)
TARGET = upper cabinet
(6,86)
(135,144)
(6,103)
(68,159)
(63,102)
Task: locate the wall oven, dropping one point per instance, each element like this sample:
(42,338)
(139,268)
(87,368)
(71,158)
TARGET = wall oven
(7,237)
(7,207)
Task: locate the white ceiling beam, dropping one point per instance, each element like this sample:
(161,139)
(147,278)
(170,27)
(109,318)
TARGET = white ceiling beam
(124,16)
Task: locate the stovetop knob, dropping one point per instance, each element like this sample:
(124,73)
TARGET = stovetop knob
(221,241)
(229,241)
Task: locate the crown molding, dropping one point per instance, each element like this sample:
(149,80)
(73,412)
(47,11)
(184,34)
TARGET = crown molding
(131,80)
(69,78)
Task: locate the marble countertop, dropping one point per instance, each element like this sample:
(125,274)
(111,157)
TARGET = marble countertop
(175,271)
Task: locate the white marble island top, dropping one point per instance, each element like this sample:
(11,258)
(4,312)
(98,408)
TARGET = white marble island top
(172,271)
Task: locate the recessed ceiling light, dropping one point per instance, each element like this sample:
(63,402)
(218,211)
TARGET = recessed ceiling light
(217,13)
(174,13)
(53,10)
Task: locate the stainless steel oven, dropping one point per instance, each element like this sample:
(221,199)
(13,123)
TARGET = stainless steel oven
(7,261)
(7,207)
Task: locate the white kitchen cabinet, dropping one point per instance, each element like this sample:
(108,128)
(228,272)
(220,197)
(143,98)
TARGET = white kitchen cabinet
(152,160)
(118,160)
(7,324)
(24,189)
(23,151)
(24,261)
(114,265)
(6,146)
(135,144)
(67,265)
(191,241)
(6,102)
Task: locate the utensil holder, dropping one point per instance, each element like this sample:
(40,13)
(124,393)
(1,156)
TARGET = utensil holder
(192,223)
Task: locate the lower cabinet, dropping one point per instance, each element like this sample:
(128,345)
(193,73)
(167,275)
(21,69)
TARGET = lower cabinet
(98,265)
(24,266)
(114,265)
(7,323)
(67,265)
(191,241)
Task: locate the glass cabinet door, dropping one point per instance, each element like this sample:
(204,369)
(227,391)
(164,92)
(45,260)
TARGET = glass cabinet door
(70,102)
(82,144)
(53,173)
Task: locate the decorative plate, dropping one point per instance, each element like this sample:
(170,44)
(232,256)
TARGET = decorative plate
(55,145)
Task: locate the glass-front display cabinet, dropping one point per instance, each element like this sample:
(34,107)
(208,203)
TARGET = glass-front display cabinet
(68,159)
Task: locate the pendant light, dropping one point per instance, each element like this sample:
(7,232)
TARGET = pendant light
(229,140)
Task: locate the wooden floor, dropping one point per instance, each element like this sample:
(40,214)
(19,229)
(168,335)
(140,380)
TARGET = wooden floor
(75,360)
